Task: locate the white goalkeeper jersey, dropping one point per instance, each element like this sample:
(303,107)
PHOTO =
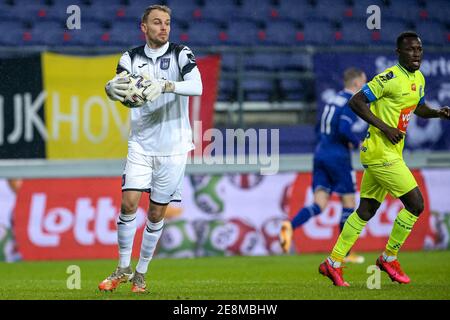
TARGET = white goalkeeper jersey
(162,128)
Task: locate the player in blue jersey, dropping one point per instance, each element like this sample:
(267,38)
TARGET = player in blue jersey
(332,169)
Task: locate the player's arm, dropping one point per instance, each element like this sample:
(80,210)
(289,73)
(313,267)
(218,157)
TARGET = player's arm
(345,129)
(358,103)
(117,87)
(425,111)
(191,85)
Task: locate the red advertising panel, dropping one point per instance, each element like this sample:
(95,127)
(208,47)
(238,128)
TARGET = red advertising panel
(70,218)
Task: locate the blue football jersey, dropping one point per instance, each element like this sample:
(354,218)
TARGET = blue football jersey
(335,129)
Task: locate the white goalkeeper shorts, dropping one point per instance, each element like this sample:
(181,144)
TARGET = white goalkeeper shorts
(162,176)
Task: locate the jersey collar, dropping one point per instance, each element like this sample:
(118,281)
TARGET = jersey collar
(156,53)
(406,72)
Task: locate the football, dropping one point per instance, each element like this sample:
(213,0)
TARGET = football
(135,95)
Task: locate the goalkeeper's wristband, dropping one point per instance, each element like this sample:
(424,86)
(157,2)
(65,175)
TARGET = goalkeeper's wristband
(168,87)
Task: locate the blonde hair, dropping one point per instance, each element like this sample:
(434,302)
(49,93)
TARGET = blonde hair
(149,9)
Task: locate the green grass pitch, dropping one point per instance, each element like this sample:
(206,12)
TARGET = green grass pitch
(292,277)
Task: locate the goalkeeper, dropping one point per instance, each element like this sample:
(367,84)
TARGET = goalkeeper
(394,94)
(159,141)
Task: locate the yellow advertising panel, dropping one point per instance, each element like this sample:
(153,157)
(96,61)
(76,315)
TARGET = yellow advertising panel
(81,121)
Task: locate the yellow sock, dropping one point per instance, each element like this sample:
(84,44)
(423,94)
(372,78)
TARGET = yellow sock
(350,233)
(403,225)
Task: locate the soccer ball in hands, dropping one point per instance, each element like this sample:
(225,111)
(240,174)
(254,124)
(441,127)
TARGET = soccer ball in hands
(135,96)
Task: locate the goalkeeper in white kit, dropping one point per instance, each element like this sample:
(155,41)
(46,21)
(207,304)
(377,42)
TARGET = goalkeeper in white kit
(159,141)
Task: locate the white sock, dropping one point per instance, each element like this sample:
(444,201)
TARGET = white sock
(387,258)
(126,229)
(152,233)
(334,264)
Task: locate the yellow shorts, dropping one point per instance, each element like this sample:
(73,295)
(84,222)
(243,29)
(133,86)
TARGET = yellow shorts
(395,179)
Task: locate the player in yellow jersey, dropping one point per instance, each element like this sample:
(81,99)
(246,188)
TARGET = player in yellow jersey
(393,95)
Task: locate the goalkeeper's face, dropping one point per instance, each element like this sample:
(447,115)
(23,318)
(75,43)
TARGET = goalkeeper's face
(156,28)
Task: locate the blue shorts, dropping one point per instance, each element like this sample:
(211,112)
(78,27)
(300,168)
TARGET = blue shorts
(333,176)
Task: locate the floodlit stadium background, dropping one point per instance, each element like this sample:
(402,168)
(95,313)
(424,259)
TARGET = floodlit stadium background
(266,64)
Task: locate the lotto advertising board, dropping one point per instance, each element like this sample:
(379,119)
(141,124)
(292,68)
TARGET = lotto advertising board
(55,107)
(220,215)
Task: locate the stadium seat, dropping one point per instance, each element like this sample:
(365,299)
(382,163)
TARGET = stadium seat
(292,89)
(407,11)
(204,33)
(282,33)
(258,89)
(432,33)
(295,62)
(243,33)
(318,32)
(229,61)
(218,11)
(355,32)
(332,10)
(227,90)
(125,33)
(390,30)
(438,10)
(261,62)
(296,11)
(185,10)
(11,33)
(258,10)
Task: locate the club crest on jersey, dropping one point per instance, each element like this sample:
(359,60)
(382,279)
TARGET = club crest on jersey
(413,87)
(165,63)
(420,90)
(388,76)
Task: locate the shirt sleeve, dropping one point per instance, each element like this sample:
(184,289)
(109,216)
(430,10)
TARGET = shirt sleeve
(192,81)
(124,63)
(422,92)
(346,121)
(379,86)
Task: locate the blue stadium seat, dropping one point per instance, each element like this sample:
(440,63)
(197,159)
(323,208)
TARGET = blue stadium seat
(390,30)
(318,32)
(292,89)
(185,10)
(405,11)
(258,10)
(229,61)
(204,33)
(179,35)
(218,11)
(258,89)
(296,11)
(295,62)
(101,10)
(355,32)
(125,33)
(282,33)
(432,33)
(227,90)
(242,33)
(332,10)
(11,33)
(261,62)
(439,10)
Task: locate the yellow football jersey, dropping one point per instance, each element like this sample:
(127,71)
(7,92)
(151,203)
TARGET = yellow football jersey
(393,94)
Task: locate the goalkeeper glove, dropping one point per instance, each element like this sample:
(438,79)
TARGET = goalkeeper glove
(117,87)
(157,87)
